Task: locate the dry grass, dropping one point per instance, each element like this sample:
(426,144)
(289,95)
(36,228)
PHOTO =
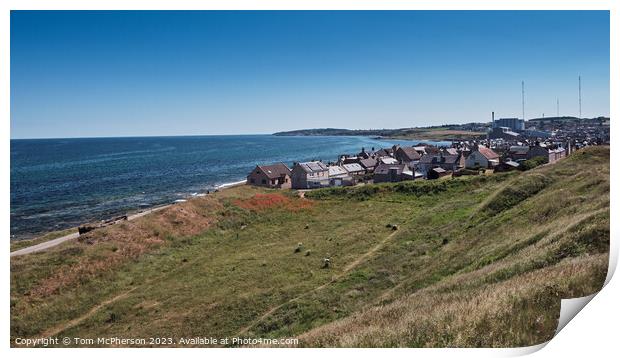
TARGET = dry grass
(476,261)
(261,202)
(109,248)
(447,315)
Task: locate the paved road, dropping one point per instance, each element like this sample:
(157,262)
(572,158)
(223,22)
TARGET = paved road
(47,244)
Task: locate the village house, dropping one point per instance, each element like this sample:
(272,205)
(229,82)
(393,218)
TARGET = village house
(384,152)
(450,151)
(365,155)
(518,152)
(446,162)
(271,176)
(309,175)
(482,157)
(391,173)
(506,166)
(338,176)
(537,151)
(388,160)
(556,154)
(421,149)
(407,155)
(528,152)
(369,164)
(354,169)
(345,159)
(437,173)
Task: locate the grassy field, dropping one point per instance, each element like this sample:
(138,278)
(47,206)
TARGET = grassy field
(472,261)
(439,134)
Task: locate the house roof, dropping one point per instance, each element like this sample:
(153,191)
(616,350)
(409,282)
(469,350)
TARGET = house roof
(409,153)
(512,163)
(353,167)
(450,159)
(274,171)
(335,170)
(439,159)
(519,149)
(488,153)
(313,167)
(388,160)
(452,151)
(368,163)
(429,149)
(438,170)
(383,152)
(385,168)
(427,159)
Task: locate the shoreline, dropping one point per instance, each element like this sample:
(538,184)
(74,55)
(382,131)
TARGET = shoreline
(131,215)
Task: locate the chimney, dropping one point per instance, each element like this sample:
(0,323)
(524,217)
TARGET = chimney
(492,119)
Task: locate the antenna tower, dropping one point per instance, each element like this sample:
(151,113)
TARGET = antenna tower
(523,98)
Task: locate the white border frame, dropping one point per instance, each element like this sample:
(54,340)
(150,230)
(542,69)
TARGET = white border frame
(593,331)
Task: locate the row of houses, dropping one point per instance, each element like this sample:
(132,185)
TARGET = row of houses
(524,152)
(307,175)
(396,164)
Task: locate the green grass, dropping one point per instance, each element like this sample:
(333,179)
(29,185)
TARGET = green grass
(475,261)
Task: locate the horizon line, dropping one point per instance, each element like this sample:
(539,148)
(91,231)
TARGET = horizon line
(283,131)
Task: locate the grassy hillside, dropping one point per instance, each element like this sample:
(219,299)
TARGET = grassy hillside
(473,261)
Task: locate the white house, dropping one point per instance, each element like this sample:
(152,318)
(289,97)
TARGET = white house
(482,157)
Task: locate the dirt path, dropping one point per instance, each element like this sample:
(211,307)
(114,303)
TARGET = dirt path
(344,272)
(45,245)
(74,322)
(55,242)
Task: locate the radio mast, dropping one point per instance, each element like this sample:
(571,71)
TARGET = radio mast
(523,98)
(579,96)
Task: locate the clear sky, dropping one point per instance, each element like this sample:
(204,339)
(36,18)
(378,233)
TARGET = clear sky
(112,73)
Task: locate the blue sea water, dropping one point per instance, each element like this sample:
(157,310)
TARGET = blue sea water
(60,183)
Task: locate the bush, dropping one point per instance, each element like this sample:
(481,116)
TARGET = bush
(466,171)
(533,163)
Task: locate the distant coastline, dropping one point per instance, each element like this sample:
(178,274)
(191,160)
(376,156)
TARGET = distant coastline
(441,133)
(446,132)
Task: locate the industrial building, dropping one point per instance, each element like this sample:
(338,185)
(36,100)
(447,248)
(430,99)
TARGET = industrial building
(513,124)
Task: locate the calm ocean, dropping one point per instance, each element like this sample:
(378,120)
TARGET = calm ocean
(60,183)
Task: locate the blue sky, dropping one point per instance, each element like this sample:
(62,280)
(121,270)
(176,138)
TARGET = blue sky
(112,73)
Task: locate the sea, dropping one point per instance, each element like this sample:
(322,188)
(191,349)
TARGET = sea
(61,183)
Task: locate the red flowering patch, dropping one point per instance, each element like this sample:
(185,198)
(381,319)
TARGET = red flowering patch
(261,202)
